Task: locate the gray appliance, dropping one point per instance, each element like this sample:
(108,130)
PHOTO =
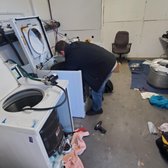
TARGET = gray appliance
(158,74)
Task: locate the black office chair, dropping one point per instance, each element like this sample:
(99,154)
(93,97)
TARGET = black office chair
(121,44)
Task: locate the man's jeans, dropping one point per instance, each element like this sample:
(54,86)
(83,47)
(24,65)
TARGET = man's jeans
(97,96)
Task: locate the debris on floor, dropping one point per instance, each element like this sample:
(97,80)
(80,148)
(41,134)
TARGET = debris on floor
(140,164)
(162,144)
(152,128)
(135,67)
(163,127)
(162,140)
(147,95)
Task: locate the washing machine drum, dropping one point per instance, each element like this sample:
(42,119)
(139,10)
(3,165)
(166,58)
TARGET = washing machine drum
(158,74)
(25,98)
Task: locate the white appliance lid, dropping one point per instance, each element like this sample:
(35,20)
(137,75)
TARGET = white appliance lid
(8,83)
(32,37)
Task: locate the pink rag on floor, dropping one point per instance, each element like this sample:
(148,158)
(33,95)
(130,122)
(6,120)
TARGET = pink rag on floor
(78,145)
(71,160)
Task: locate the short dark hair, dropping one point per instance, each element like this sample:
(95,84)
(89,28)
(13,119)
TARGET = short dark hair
(60,46)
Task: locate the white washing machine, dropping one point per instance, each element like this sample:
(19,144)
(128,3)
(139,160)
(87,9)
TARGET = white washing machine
(32,37)
(30,138)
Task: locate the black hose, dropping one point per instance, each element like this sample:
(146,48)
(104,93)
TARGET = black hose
(49,108)
(36,79)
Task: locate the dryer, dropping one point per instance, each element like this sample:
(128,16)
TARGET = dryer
(30,138)
(33,39)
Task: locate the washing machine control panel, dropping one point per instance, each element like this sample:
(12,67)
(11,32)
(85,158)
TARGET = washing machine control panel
(15,71)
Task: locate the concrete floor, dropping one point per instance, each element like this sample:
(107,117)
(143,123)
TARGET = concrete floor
(127,142)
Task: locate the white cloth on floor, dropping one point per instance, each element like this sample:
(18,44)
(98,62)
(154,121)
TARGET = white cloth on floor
(152,128)
(147,95)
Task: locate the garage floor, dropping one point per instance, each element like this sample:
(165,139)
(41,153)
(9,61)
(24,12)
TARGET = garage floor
(127,142)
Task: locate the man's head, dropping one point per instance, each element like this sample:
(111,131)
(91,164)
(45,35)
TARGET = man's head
(60,47)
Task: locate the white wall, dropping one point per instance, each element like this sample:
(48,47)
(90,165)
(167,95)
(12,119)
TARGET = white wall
(80,18)
(14,8)
(146,21)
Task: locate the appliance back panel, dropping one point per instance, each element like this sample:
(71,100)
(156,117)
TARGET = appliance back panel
(52,133)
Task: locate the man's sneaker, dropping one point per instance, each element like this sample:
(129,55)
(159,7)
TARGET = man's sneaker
(92,112)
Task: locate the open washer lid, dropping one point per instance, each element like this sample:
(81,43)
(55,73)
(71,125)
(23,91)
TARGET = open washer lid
(8,82)
(31,35)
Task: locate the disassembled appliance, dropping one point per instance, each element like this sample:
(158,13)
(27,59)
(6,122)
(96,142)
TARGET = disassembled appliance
(30,137)
(158,75)
(32,37)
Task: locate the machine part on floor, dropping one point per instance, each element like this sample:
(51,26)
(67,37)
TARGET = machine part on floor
(99,127)
(158,74)
(66,147)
